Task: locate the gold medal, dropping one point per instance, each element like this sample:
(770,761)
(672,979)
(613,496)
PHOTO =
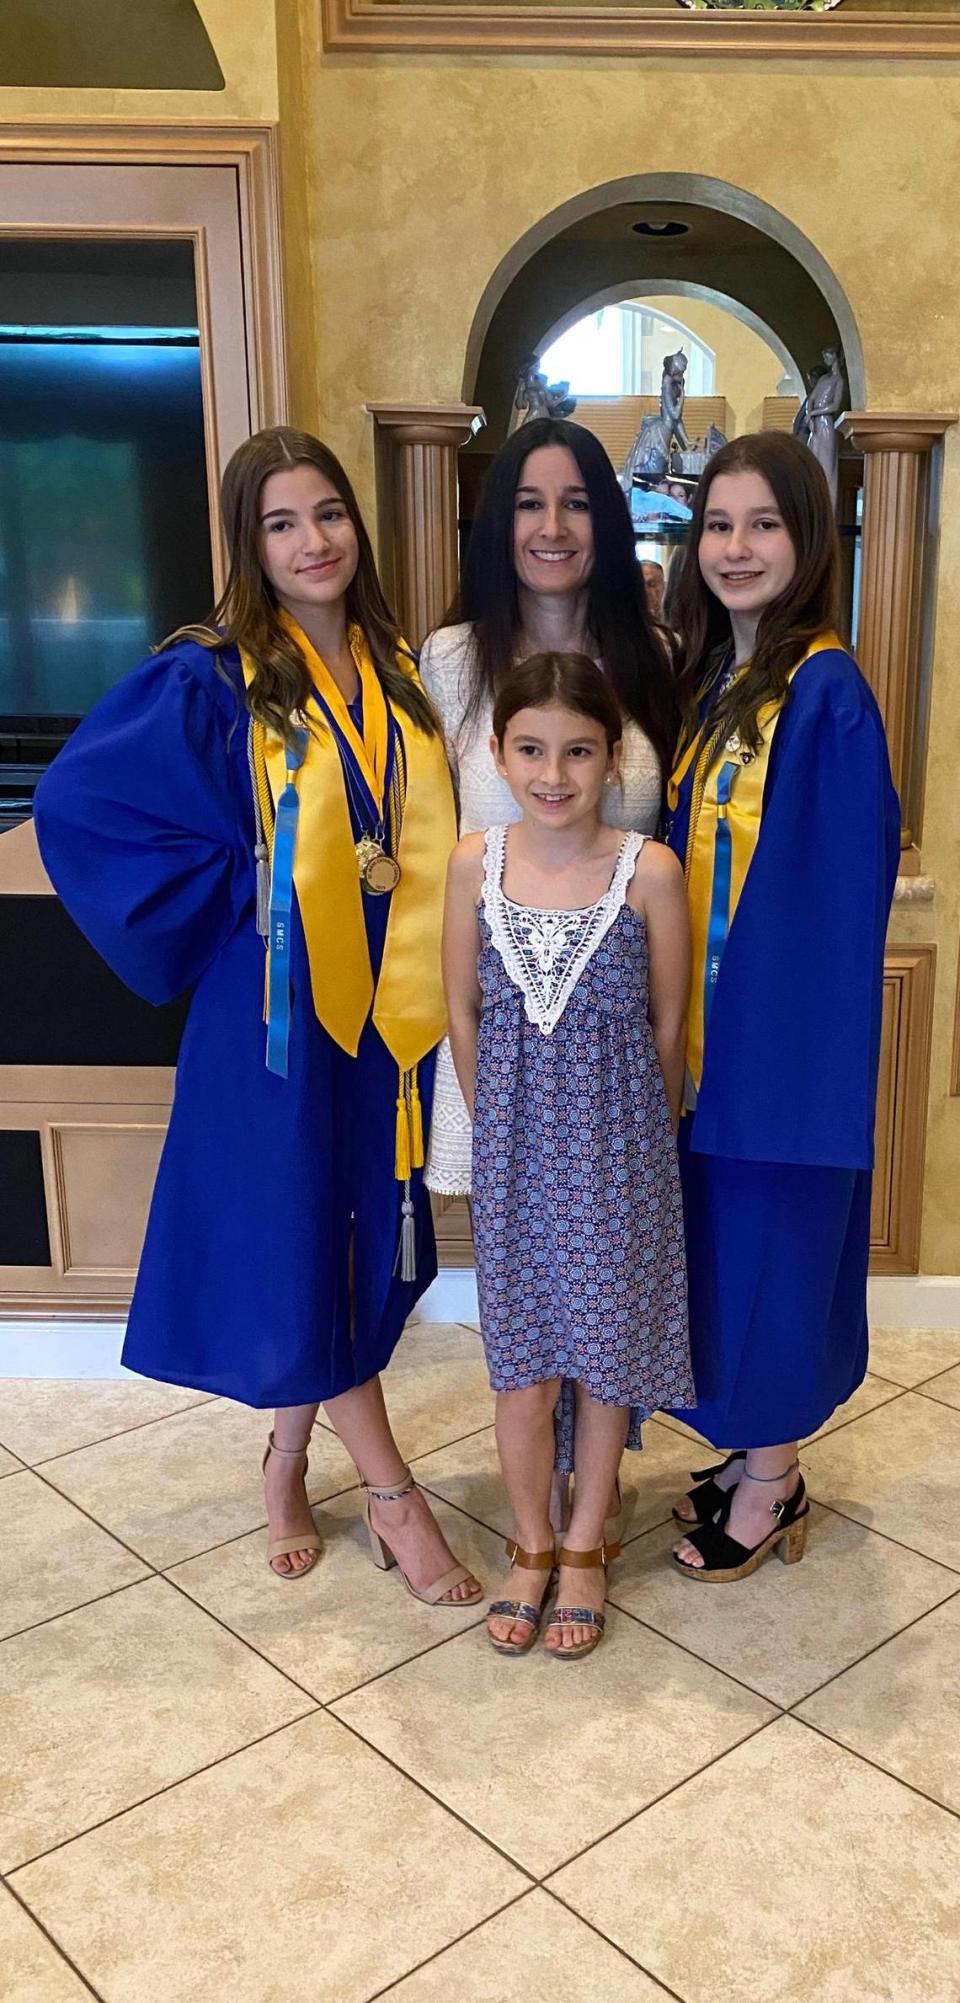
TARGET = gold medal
(379,872)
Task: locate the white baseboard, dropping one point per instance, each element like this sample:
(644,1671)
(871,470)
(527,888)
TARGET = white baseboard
(915,1300)
(92,1348)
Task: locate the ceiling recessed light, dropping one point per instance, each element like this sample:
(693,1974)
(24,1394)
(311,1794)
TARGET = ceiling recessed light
(660,229)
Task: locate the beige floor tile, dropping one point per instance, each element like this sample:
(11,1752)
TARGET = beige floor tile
(31,1970)
(436,1387)
(176,1488)
(542,1757)
(897,1470)
(40,1417)
(51,1557)
(828,1882)
(900,1707)
(348,1622)
(468,1475)
(108,1704)
(872,1392)
(8,1464)
(304,1865)
(908,1355)
(535,1952)
(789,1627)
(944,1389)
(711,1453)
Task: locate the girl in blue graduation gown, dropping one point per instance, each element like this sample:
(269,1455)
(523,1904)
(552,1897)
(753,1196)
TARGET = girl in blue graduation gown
(785,817)
(278,780)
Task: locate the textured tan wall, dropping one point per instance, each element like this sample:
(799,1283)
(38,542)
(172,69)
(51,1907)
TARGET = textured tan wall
(747,369)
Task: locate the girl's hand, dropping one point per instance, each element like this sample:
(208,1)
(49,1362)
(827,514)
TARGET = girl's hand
(657,890)
(461,948)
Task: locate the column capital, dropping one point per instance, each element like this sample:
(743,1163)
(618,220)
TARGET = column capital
(448,424)
(895,430)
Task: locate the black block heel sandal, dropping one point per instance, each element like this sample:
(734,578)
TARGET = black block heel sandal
(724,1560)
(707,1497)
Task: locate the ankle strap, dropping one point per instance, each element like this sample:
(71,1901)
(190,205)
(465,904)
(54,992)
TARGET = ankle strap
(586,1561)
(772,1477)
(531,1561)
(295,1453)
(394,1494)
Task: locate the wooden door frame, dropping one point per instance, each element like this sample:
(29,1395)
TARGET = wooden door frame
(251,149)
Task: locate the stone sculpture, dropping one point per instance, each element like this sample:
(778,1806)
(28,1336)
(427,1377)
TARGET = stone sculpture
(535,397)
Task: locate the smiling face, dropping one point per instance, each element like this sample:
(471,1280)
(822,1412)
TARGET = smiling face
(556,763)
(306,540)
(746,556)
(552,526)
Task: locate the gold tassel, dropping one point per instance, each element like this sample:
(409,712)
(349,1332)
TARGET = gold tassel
(416,1122)
(402,1165)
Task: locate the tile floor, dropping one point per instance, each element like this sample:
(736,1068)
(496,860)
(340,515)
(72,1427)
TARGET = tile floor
(219,1786)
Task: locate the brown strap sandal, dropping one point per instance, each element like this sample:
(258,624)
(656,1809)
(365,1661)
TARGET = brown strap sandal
(522,1610)
(561,1617)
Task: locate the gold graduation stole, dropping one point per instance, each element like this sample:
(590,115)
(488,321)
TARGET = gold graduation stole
(408,1002)
(726,806)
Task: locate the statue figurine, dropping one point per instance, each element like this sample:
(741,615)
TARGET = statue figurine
(649,457)
(816,420)
(538,398)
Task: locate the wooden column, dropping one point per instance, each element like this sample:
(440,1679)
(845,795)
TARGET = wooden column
(417,459)
(897,447)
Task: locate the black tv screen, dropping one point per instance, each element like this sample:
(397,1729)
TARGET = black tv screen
(104,517)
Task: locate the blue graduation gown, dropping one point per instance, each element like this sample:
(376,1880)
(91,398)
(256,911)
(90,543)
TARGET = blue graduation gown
(776,1160)
(145,824)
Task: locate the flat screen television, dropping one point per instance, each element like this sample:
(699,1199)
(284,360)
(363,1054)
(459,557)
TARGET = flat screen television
(104,524)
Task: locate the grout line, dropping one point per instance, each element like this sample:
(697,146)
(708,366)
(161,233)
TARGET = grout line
(95,1520)
(664,1987)
(63,1612)
(819,1688)
(61,1952)
(827,1431)
(924,1391)
(865,1760)
(324,1702)
(417,1656)
(430,1958)
(637,1813)
(120,1432)
(750,1688)
(156,1794)
(479,1835)
(835,1510)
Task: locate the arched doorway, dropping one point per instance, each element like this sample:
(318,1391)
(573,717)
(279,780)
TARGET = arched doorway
(676,232)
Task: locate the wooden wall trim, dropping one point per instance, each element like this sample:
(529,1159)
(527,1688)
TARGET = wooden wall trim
(901,1130)
(251,149)
(416,26)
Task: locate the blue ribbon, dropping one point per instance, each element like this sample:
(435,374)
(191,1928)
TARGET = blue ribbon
(719,923)
(281,907)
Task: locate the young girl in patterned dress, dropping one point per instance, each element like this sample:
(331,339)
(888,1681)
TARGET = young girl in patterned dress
(567,966)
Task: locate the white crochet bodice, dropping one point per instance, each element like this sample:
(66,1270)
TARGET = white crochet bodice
(545,952)
(485,798)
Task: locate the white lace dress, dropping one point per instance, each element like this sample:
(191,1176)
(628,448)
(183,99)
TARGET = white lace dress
(578,1222)
(485,799)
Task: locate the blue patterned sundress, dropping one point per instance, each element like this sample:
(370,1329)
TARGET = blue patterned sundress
(578,1224)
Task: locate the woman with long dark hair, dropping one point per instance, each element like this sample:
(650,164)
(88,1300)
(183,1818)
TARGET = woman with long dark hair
(550,567)
(786,821)
(276,780)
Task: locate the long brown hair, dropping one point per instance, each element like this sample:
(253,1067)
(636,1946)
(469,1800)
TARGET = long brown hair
(807,607)
(247,614)
(569,681)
